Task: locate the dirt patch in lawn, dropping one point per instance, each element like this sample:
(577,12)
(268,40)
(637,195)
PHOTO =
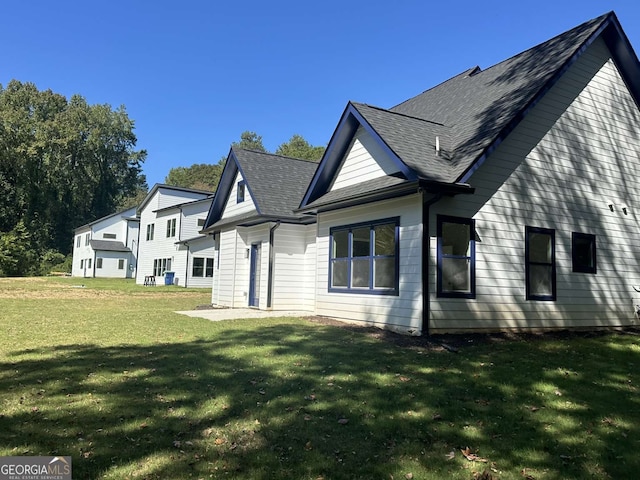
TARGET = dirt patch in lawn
(455,342)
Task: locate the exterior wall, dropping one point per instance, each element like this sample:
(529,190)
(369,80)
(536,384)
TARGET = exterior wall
(293,267)
(111,228)
(168,247)
(364,161)
(203,248)
(232,207)
(231,278)
(574,154)
(81,254)
(110,263)
(403,312)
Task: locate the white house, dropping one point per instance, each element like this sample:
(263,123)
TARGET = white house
(503,198)
(255,228)
(107,247)
(170,220)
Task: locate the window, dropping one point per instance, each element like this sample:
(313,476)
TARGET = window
(171,228)
(209,268)
(98,262)
(88,263)
(364,258)
(86,240)
(198,267)
(540,263)
(201,222)
(78,239)
(121,264)
(161,265)
(241,189)
(150,230)
(111,236)
(81,263)
(583,252)
(456,257)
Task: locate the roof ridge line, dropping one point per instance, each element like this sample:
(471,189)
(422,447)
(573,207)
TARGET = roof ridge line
(401,114)
(278,155)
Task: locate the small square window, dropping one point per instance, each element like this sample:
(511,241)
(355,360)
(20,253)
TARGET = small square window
(583,252)
(98,262)
(121,264)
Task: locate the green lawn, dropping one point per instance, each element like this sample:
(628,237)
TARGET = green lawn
(108,374)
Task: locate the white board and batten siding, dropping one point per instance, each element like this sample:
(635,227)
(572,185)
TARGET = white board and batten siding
(232,208)
(575,154)
(402,313)
(365,160)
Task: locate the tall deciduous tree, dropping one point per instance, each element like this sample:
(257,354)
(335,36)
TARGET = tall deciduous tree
(62,163)
(298,147)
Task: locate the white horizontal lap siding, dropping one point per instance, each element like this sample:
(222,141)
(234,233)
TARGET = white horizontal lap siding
(291,278)
(202,248)
(573,155)
(110,261)
(168,198)
(189,219)
(403,312)
(232,207)
(365,160)
(226,268)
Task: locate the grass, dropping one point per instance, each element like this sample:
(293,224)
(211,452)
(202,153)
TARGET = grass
(111,376)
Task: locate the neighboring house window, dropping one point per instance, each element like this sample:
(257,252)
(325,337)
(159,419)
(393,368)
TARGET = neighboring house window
(198,267)
(88,263)
(86,240)
(171,228)
(364,257)
(540,263)
(583,252)
(81,263)
(202,267)
(78,239)
(111,236)
(161,265)
(201,222)
(121,264)
(98,263)
(241,191)
(150,230)
(456,257)
(209,268)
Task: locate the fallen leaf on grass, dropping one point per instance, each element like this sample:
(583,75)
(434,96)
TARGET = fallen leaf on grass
(219,441)
(343,421)
(472,457)
(526,475)
(308,446)
(436,416)
(451,455)
(486,475)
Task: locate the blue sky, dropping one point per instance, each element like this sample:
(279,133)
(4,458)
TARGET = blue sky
(195,74)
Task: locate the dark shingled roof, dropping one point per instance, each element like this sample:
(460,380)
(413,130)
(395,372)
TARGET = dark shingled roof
(108,246)
(478,104)
(276,183)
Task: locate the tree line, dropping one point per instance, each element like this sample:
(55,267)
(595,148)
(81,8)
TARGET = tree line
(65,163)
(205,176)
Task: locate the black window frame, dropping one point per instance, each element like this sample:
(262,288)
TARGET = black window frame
(371,289)
(441,256)
(241,191)
(528,264)
(576,264)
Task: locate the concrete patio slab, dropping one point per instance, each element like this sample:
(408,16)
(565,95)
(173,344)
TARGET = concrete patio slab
(218,314)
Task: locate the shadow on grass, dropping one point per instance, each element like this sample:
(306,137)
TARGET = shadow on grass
(322,402)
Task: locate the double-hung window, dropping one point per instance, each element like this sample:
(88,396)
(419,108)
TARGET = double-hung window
(364,257)
(171,228)
(540,263)
(456,257)
(150,230)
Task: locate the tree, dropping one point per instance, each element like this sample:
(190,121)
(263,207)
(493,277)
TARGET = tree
(200,175)
(250,141)
(298,147)
(63,163)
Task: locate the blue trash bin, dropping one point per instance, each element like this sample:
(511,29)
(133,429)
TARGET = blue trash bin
(168,278)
